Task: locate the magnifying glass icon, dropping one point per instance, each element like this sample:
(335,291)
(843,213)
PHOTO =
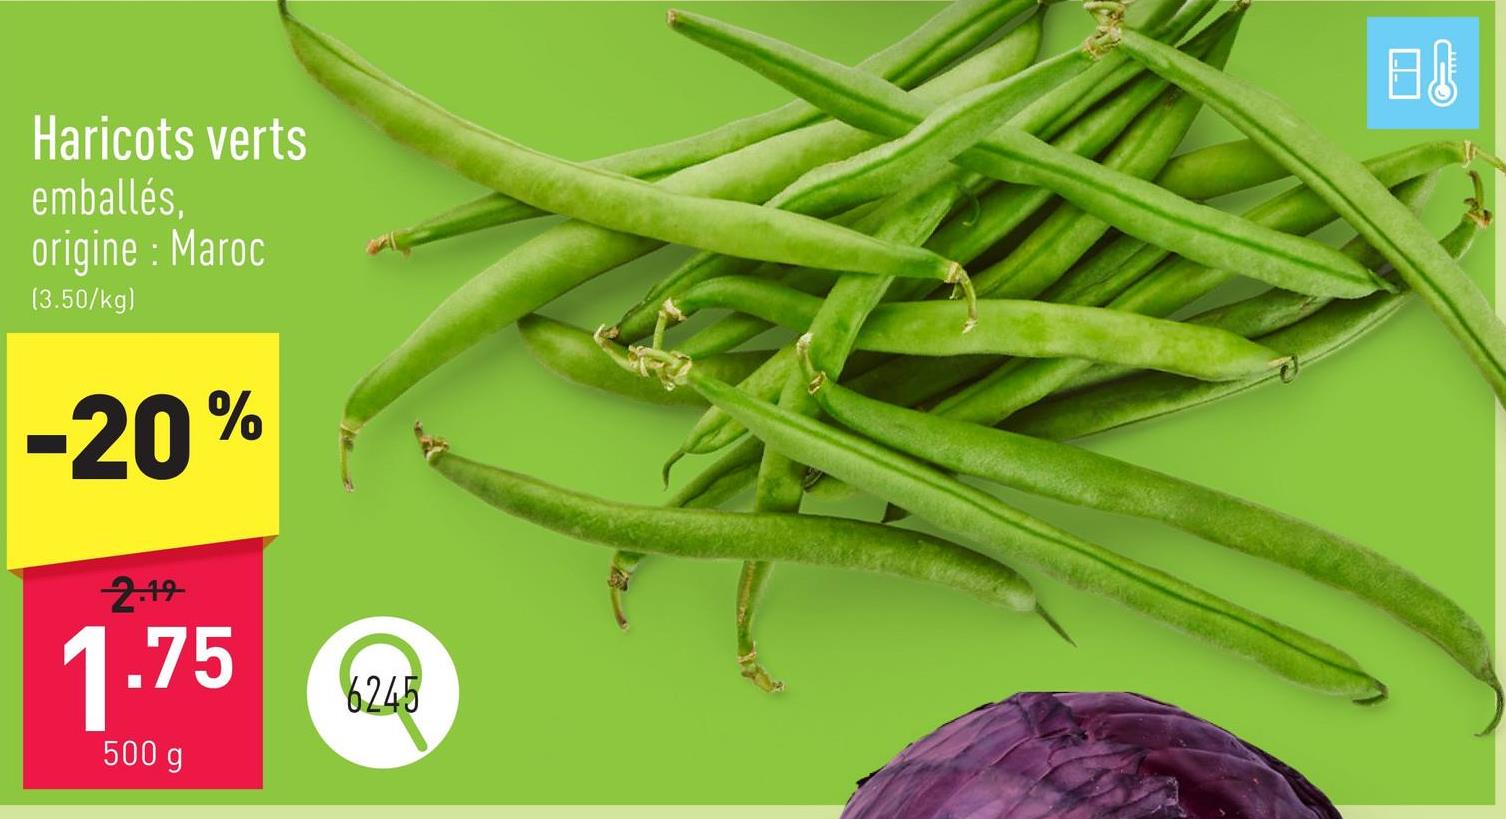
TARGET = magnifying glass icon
(409,696)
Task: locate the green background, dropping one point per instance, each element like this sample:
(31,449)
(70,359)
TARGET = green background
(1389,443)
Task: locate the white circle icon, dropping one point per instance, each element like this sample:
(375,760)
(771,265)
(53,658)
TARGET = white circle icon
(383,692)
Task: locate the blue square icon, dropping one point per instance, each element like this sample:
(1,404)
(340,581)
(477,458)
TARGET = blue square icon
(1422,73)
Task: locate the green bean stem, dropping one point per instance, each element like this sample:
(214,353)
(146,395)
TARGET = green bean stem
(1078,476)
(1352,191)
(955,30)
(1005,531)
(1134,205)
(716,535)
(572,353)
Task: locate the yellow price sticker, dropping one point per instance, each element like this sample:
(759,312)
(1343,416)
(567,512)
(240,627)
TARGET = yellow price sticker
(122,443)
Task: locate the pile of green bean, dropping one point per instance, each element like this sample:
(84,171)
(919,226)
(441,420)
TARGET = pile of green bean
(984,254)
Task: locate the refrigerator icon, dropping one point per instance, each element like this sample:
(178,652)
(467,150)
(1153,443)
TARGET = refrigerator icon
(1404,74)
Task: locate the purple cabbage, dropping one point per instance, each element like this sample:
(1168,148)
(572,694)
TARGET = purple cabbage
(1085,756)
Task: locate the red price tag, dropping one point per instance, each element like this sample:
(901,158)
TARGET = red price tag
(145,671)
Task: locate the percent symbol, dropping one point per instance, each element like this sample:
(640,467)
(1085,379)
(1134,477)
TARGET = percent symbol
(249,423)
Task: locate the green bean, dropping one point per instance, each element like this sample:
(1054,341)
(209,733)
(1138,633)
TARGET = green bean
(1031,329)
(1352,191)
(1085,478)
(908,217)
(1175,283)
(570,352)
(722,481)
(726,333)
(666,310)
(1101,278)
(1250,318)
(998,212)
(1069,119)
(730,475)
(909,381)
(911,217)
(1008,533)
(1144,397)
(1101,74)
(1134,205)
(1273,309)
(827,189)
(770,301)
(1105,275)
(1254,317)
(1087,137)
(714,535)
(1006,207)
(1192,174)
(714,430)
(491,210)
(1097,278)
(1048,116)
(570,254)
(602,198)
(952,127)
(1040,259)
(955,30)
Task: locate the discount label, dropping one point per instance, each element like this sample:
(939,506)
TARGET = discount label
(119,443)
(142,487)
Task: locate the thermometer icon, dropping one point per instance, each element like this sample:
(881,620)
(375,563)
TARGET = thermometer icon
(1443,91)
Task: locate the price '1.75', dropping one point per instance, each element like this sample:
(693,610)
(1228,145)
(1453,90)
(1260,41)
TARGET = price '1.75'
(89,641)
